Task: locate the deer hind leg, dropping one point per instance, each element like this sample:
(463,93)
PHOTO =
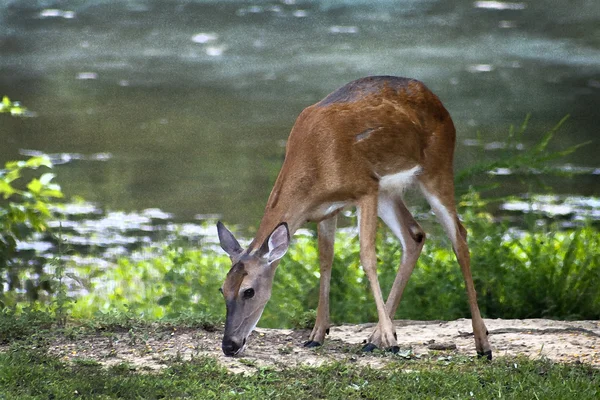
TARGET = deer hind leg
(386,337)
(440,196)
(396,216)
(326,234)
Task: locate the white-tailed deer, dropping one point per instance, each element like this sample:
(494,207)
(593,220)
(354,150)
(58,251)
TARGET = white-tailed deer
(362,145)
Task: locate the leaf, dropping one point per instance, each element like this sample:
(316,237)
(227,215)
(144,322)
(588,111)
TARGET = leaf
(56,193)
(6,189)
(6,103)
(12,175)
(46,178)
(165,300)
(42,208)
(35,186)
(524,125)
(38,161)
(17,111)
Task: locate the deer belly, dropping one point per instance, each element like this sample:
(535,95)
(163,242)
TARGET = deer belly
(396,183)
(326,210)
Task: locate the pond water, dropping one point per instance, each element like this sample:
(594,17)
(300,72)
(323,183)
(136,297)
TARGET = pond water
(185,106)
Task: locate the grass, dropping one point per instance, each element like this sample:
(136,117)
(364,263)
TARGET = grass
(30,370)
(33,374)
(16,326)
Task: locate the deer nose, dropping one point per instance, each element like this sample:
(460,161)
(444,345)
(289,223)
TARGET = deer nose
(230,347)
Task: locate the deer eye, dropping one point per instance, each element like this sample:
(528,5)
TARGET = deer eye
(248,293)
(221,290)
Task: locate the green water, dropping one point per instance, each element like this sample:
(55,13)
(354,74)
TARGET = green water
(185,105)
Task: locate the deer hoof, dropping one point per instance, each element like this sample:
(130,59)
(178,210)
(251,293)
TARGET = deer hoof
(486,354)
(312,343)
(369,347)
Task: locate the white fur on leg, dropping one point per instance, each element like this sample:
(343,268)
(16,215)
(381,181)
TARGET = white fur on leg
(443,215)
(387,212)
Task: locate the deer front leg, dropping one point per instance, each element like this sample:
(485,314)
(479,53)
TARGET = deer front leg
(326,233)
(385,336)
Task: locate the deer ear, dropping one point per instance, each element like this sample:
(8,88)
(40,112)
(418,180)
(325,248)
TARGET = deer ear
(278,243)
(228,241)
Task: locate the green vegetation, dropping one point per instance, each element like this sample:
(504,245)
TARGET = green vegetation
(13,108)
(545,273)
(532,162)
(31,373)
(25,202)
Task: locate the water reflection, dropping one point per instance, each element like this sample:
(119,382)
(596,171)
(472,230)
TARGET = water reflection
(499,5)
(95,234)
(64,158)
(570,210)
(55,13)
(86,230)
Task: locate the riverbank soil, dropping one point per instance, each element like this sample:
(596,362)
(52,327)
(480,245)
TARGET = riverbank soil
(148,348)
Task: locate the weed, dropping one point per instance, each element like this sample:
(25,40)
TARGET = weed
(304,320)
(62,300)
(85,362)
(247,362)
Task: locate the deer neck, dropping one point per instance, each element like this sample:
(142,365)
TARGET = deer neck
(289,202)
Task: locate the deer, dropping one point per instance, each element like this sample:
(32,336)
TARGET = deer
(361,146)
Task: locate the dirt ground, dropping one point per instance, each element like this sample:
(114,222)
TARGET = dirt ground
(561,341)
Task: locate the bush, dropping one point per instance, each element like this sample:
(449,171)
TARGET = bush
(171,283)
(24,209)
(543,273)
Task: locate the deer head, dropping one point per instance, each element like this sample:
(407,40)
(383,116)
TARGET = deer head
(247,287)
